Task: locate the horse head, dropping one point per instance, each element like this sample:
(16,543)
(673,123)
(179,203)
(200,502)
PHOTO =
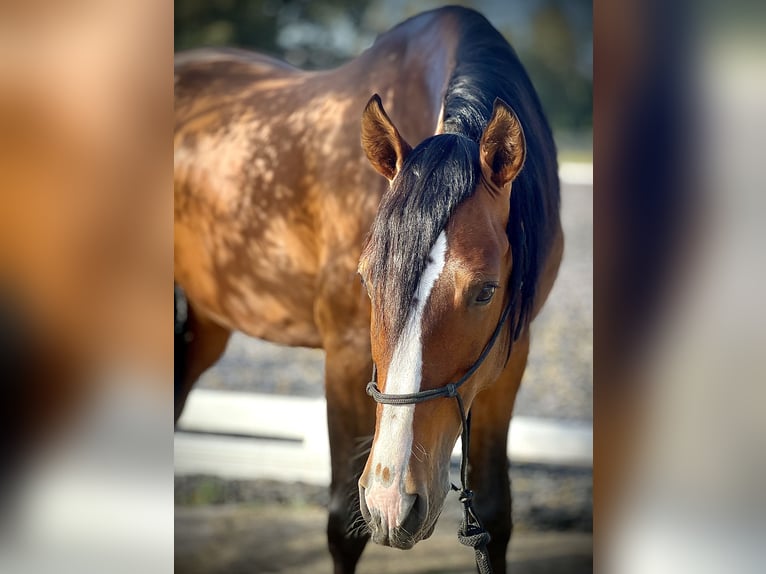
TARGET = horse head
(437,265)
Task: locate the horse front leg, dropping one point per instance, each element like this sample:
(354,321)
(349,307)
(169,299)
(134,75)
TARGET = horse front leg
(351,423)
(488,472)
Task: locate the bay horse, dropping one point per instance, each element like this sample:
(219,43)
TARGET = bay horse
(278,215)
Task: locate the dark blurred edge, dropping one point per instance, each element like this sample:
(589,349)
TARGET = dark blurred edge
(646,207)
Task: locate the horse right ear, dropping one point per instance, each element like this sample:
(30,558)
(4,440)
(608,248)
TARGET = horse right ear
(503,147)
(381,141)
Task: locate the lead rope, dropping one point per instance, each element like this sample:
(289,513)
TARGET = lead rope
(471,532)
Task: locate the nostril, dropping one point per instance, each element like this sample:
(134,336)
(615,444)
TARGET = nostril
(413,513)
(408,503)
(363,505)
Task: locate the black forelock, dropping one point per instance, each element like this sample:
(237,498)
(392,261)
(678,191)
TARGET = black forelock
(436,177)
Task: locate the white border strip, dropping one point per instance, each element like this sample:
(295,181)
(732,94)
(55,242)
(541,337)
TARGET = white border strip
(285,438)
(576,173)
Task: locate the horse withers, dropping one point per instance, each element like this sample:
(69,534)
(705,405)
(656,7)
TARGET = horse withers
(277,209)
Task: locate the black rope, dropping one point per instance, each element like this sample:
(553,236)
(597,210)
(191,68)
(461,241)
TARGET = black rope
(471,532)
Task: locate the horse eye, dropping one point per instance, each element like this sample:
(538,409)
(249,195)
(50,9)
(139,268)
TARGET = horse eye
(486,293)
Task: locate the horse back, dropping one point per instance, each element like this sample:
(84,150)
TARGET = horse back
(219,75)
(243,226)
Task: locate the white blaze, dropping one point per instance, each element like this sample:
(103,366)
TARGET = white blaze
(394,444)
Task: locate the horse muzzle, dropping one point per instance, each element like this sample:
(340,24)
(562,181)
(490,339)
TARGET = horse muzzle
(396,518)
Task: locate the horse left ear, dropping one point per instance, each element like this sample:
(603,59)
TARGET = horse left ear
(384,146)
(503,148)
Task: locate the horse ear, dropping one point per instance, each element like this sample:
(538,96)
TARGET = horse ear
(503,148)
(385,148)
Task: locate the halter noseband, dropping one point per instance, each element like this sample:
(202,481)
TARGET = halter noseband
(470,532)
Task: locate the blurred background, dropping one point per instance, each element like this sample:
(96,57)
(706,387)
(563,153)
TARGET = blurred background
(554,39)
(234,484)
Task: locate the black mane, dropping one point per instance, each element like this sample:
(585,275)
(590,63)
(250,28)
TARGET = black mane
(443,171)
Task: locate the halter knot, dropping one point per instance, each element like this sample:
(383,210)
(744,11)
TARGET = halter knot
(471,533)
(474,536)
(451,390)
(465,496)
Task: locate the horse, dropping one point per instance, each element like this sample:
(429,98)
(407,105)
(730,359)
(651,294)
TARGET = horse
(285,230)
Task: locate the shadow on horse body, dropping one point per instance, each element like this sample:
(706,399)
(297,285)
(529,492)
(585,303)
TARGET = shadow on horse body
(277,214)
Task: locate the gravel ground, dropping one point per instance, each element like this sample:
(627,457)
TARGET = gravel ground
(559,378)
(266,526)
(544,497)
(241,539)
